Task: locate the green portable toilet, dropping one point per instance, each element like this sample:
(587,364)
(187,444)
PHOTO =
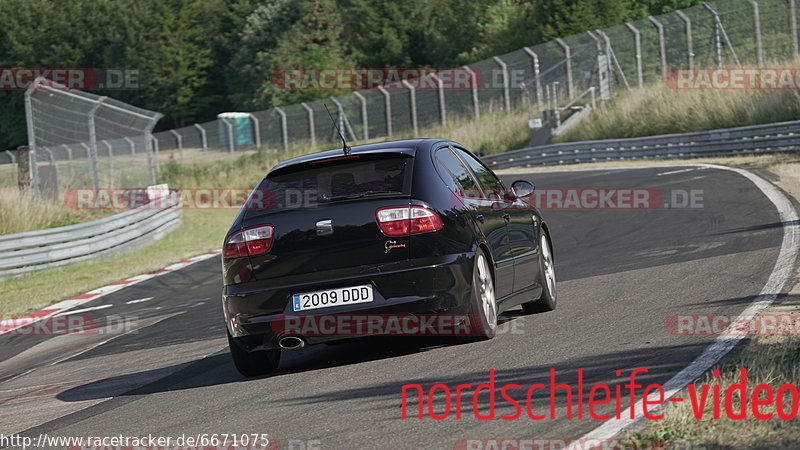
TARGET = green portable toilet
(242,128)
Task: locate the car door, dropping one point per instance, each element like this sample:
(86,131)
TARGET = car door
(520,228)
(492,217)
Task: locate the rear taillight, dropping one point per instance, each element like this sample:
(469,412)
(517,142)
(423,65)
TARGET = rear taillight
(407,220)
(249,242)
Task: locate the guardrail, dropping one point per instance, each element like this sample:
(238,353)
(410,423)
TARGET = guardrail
(756,139)
(123,232)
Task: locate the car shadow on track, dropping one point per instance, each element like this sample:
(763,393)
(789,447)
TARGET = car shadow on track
(218,369)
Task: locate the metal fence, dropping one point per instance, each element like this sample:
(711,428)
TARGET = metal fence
(123,232)
(544,77)
(79,139)
(755,139)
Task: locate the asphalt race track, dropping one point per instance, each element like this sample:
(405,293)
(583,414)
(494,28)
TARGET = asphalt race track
(621,275)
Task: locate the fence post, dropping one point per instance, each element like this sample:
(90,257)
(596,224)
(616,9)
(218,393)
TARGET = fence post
(110,163)
(388,100)
(30,150)
(149,139)
(93,144)
(364,116)
(130,144)
(506,93)
(473,81)
(637,41)
(536,76)
(69,151)
(757,24)
(256,129)
(689,45)
(793,22)
(178,138)
(229,128)
(12,157)
(284,130)
(412,92)
(156,153)
(203,139)
(568,55)
(661,47)
(311,128)
(442,107)
(24,168)
(719,31)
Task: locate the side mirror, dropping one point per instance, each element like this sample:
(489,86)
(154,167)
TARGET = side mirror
(522,188)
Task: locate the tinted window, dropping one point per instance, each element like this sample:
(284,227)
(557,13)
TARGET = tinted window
(456,175)
(340,180)
(488,181)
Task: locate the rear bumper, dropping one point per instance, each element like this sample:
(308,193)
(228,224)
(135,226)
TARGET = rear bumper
(256,313)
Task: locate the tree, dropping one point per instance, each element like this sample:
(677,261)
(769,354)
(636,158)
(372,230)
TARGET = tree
(252,61)
(386,34)
(312,41)
(560,18)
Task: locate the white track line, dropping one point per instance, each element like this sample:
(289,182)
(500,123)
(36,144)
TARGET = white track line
(78,311)
(141,300)
(9,325)
(738,329)
(672,172)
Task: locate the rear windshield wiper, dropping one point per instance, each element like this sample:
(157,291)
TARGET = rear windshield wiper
(357,195)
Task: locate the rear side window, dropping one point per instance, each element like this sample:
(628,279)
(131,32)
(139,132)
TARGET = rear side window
(488,181)
(310,184)
(455,173)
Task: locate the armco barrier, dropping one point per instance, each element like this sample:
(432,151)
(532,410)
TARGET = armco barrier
(756,139)
(126,231)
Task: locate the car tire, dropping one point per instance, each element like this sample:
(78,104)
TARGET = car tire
(483,304)
(253,364)
(547,279)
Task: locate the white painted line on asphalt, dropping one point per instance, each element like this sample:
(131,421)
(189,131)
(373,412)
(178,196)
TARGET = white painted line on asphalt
(9,325)
(141,300)
(679,171)
(78,311)
(738,329)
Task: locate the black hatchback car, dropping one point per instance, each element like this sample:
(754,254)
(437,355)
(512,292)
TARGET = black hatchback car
(414,228)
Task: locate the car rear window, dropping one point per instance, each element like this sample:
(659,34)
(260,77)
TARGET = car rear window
(338,179)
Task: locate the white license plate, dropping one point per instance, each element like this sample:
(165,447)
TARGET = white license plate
(332,297)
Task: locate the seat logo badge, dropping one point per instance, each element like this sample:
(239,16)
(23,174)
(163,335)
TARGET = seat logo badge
(324,227)
(393,244)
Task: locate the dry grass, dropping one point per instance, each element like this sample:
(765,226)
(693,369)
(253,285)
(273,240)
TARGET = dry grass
(200,231)
(20,213)
(662,110)
(772,363)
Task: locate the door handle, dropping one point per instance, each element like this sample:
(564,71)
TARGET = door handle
(507,217)
(479,217)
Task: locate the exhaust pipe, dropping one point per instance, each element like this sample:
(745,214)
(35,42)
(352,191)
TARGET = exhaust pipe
(291,343)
